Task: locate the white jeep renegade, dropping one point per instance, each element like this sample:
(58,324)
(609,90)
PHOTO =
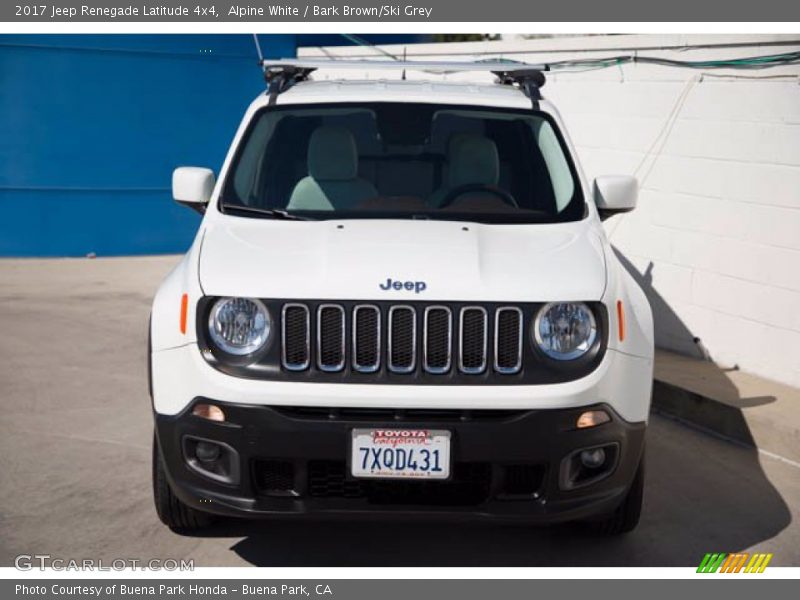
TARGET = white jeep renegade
(401,300)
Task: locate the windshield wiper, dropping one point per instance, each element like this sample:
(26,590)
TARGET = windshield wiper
(275,213)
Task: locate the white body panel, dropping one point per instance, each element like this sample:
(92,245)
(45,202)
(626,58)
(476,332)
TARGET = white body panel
(623,381)
(238,256)
(348,259)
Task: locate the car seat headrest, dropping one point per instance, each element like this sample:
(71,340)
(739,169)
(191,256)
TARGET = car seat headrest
(332,154)
(472,159)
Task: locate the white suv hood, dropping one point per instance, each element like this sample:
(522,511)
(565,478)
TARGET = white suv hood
(344,260)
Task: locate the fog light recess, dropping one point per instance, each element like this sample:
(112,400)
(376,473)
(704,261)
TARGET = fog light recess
(212,459)
(207,452)
(588,465)
(593,459)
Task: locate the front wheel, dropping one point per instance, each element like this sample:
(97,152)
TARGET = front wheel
(625,517)
(173,513)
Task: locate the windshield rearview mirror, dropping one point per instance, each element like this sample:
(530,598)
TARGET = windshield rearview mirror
(192,187)
(614,194)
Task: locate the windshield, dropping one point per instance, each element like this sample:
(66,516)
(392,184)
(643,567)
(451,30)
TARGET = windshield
(388,160)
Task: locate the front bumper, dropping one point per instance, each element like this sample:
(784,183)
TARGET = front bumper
(623,381)
(508,464)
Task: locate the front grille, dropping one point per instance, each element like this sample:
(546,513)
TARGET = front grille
(296,337)
(330,338)
(438,339)
(469,485)
(402,339)
(366,338)
(472,337)
(435,339)
(508,340)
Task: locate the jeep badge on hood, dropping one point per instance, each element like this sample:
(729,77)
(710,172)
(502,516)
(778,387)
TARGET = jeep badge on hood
(416,286)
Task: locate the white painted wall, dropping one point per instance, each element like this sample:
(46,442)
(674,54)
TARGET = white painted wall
(716,238)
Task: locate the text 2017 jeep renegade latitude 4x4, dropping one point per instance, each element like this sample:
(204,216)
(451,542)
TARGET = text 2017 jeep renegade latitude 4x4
(401,300)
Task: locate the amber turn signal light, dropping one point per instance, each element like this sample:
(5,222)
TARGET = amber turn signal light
(184,310)
(621,320)
(592,418)
(209,411)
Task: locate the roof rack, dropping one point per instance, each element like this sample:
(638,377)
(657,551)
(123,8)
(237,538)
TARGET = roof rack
(399,65)
(283,73)
(281,77)
(530,81)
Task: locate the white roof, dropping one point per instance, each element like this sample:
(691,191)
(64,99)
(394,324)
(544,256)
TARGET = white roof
(438,92)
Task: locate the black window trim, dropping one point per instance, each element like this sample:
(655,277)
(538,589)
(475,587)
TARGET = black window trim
(577,195)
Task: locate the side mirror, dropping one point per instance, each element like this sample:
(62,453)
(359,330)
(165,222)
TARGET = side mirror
(614,194)
(192,187)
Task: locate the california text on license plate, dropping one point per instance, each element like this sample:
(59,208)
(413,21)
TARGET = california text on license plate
(401,453)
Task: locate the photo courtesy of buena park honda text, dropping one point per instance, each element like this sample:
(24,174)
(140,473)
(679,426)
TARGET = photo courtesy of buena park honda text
(436,299)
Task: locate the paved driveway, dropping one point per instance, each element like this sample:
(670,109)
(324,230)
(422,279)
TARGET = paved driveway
(75,439)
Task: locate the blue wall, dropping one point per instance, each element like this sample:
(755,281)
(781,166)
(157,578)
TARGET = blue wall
(91,127)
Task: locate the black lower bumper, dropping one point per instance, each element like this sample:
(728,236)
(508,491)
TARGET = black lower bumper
(510,464)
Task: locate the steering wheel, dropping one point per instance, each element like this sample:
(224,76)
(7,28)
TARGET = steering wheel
(453,194)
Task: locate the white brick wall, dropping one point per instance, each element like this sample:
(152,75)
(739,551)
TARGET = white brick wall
(716,237)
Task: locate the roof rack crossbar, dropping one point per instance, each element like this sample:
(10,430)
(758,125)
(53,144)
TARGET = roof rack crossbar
(411,65)
(281,74)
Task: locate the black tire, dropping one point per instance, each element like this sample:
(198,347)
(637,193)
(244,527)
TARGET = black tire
(626,516)
(173,513)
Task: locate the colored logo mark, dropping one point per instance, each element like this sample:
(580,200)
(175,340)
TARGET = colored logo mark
(739,562)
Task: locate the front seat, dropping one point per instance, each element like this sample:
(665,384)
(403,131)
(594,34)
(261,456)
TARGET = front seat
(332,182)
(471,159)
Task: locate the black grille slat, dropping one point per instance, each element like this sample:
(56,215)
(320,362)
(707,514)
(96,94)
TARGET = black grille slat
(402,349)
(366,338)
(438,339)
(296,337)
(473,336)
(330,337)
(508,340)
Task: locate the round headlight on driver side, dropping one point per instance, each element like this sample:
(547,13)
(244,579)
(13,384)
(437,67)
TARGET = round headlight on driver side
(239,325)
(565,330)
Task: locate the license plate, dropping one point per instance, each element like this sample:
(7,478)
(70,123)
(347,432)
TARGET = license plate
(400,453)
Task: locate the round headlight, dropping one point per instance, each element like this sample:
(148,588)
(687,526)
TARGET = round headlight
(239,325)
(565,330)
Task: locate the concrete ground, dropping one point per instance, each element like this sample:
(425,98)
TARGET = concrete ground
(735,404)
(75,440)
